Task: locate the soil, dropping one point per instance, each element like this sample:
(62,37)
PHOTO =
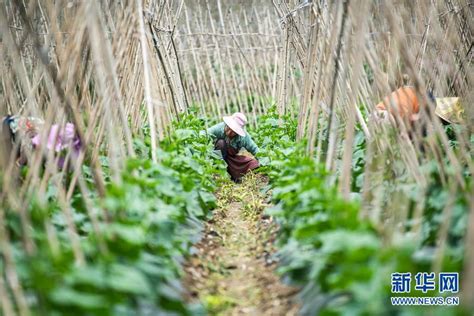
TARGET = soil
(233,269)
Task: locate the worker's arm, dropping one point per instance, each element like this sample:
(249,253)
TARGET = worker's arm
(216,131)
(250,145)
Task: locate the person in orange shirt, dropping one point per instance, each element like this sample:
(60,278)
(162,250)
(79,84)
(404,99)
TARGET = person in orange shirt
(404,103)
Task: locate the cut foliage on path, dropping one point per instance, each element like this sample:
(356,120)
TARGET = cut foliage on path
(233,269)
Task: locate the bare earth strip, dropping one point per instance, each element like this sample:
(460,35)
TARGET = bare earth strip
(232,272)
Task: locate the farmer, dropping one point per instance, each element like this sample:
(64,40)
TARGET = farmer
(17,135)
(405,104)
(230,136)
(20,137)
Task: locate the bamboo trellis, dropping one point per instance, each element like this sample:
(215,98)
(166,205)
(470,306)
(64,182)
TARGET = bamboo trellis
(116,67)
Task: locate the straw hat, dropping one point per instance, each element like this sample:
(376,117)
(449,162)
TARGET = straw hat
(236,122)
(449,109)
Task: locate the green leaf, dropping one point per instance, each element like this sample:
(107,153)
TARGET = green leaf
(183,134)
(128,280)
(344,240)
(69,297)
(88,275)
(207,197)
(131,234)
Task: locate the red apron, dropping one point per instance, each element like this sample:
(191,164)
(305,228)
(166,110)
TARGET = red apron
(238,165)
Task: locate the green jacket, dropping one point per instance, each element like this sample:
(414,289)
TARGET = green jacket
(217,132)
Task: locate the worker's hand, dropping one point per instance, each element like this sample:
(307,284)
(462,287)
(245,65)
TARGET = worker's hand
(382,116)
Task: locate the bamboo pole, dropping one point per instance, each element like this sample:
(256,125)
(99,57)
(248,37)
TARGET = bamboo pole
(146,76)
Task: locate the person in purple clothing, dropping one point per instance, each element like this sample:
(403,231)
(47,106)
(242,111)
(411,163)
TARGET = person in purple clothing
(23,135)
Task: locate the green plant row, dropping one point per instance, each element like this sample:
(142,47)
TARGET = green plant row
(149,219)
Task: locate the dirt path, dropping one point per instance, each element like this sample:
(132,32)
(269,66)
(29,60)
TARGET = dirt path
(232,272)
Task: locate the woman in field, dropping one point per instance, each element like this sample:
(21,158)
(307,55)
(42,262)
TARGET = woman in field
(230,136)
(21,137)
